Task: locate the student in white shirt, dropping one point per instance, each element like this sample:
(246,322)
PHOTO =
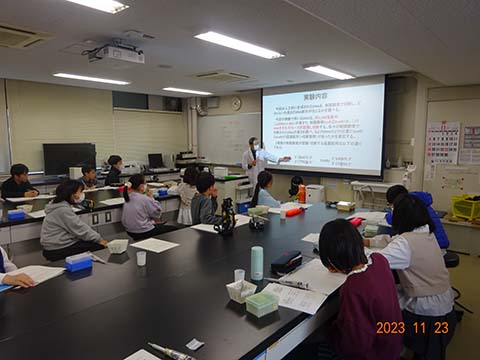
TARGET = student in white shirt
(425,292)
(186,190)
(261,195)
(6,266)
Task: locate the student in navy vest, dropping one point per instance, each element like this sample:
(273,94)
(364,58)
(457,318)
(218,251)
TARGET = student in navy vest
(425,294)
(6,266)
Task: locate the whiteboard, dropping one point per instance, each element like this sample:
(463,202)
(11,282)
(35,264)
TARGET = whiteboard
(223,139)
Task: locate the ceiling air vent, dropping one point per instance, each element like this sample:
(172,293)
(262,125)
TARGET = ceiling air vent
(222,76)
(18,38)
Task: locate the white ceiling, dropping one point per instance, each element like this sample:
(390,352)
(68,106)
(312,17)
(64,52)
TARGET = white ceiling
(272,23)
(368,37)
(438,38)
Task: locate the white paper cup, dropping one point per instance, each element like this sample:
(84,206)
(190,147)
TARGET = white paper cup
(239,274)
(141,258)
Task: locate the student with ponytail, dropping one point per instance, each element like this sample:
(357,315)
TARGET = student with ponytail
(141,212)
(261,195)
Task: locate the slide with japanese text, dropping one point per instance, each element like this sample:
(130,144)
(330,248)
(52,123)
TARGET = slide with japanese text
(330,130)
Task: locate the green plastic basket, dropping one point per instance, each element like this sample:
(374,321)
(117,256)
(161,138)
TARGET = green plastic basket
(466,209)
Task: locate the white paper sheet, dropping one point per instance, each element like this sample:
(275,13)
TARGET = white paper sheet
(142,355)
(312,238)
(114,201)
(297,299)
(288,206)
(241,220)
(90,190)
(107,187)
(156,184)
(154,245)
(41,213)
(318,277)
(24,199)
(38,273)
(369,216)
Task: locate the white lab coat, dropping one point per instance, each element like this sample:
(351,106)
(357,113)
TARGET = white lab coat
(263,157)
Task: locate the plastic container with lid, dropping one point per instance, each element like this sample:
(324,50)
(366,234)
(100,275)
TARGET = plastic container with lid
(78,262)
(262,304)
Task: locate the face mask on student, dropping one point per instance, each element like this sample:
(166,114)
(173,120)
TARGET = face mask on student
(80,199)
(256,147)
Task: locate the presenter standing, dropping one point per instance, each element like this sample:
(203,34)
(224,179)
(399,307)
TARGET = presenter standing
(255,159)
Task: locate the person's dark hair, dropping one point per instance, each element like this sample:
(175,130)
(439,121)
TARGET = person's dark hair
(204,181)
(409,213)
(114,159)
(252,140)
(135,181)
(341,246)
(87,168)
(65,191)
(18,169)
(394,192)
(263,179)
(190,176)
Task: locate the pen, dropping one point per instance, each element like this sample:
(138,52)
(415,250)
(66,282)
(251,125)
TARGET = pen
(297,284)
(171,353)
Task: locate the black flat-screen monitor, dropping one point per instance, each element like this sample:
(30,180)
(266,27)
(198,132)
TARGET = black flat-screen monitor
(58,158)
(155,161)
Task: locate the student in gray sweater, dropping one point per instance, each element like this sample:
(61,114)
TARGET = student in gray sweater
(63,233)
(204,204)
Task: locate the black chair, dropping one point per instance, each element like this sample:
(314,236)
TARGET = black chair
(453,260)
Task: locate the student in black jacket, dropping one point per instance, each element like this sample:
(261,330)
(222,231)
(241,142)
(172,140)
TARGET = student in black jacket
(18,185)
(116,165)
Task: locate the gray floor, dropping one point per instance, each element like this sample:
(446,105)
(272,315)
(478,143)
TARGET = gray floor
(464,277)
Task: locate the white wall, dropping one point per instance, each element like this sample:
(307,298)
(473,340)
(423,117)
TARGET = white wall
(4,151)
(45,113)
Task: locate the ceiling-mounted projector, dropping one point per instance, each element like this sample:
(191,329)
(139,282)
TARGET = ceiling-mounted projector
(118,56)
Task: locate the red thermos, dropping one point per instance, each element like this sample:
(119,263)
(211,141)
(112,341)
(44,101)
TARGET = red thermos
(302,194)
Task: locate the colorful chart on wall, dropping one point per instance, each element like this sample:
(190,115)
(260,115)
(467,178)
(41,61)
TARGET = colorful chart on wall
(442,142)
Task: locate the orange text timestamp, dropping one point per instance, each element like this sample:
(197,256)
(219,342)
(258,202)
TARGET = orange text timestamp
(385,327)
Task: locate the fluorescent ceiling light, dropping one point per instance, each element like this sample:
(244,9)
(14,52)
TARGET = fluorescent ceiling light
(109,6)
(187,91)
(239,45)
(88,78)
(328,72)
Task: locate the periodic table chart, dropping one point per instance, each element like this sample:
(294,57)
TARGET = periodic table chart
(442,142)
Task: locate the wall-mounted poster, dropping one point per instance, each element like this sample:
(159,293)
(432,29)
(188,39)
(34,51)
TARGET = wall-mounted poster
(442,142)
(471,137)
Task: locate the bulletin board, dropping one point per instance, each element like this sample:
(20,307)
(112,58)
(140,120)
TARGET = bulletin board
(461,175)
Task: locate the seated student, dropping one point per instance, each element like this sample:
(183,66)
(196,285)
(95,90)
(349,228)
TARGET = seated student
(141,212)
(187,190)
(6,265)
(204,204)
(89,178)
(261,195)
(116,166)
(425,292)
(63,233)
(18,185)
(367,297)
(398,190)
